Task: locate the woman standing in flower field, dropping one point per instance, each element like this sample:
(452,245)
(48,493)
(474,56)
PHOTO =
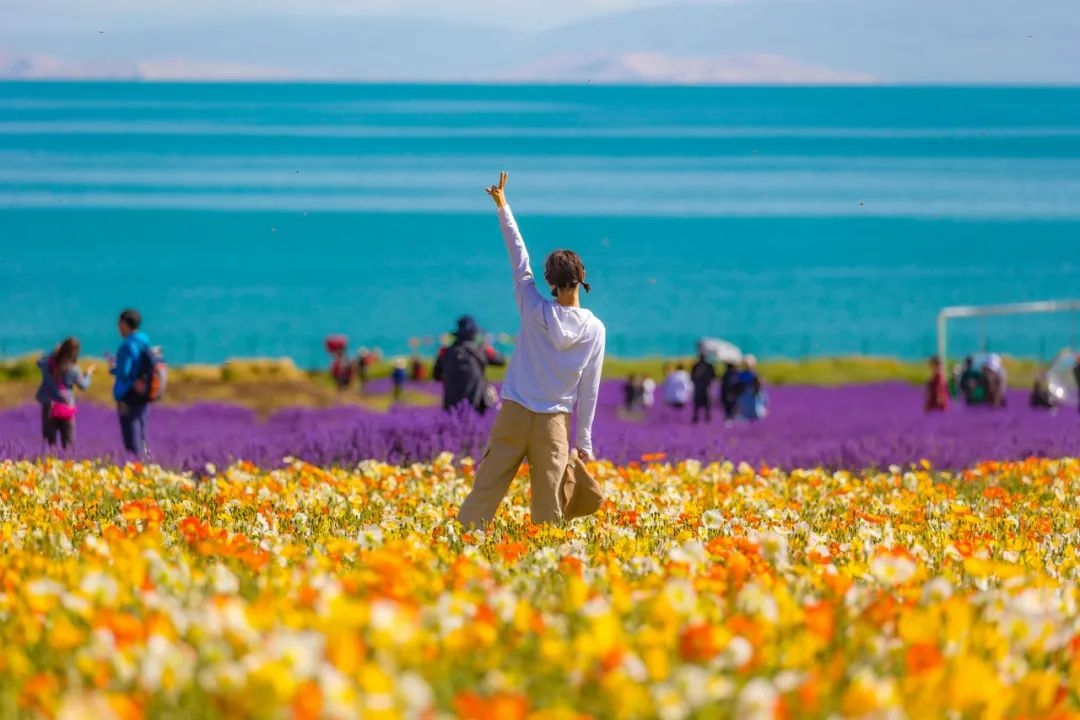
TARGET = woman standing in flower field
(60,375)
(556,364)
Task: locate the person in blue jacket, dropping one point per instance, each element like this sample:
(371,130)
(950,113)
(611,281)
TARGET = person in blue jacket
(126,367)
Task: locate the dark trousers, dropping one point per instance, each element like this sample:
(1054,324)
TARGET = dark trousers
(51,428)
(133,426)
(700,405)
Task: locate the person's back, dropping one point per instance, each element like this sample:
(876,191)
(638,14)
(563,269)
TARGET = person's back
(678,388)
(1076,373)
(729,389)
(752,403)
(629,392)
(462,367)
(1041,397)
(702,375)
(555,368)
(461,370)
(648,392)
(937,390)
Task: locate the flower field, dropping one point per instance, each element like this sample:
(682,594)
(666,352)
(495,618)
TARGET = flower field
(853,427)
(696,592)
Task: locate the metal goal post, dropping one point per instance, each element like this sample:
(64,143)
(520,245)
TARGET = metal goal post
(969,311)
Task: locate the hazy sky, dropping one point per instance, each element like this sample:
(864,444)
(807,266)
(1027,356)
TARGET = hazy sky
(522,14)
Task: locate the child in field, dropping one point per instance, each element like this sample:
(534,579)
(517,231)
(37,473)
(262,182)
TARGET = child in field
(555,365)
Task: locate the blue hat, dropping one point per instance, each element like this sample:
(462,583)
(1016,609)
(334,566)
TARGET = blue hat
(466,328)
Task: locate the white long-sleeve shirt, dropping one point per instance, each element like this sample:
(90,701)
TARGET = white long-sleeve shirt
(560,350)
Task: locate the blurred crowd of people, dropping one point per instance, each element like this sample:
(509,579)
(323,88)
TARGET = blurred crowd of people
(460,366)
(979,382)
(739,393)
(982,382)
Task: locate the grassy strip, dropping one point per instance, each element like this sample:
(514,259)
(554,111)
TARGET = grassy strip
(824,371)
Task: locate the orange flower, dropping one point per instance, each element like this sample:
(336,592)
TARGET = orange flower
(500,706)
(510,551)
(697,643)
(820,620)
(922,657)
(126,628)
(307,704)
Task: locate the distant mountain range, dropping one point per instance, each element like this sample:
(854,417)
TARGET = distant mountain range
(755,41)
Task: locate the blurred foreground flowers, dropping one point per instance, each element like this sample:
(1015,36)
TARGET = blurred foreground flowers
(697,592)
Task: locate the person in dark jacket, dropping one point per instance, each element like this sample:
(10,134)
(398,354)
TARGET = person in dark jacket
(702,375)
(1076,371)
(1041,397)
(126,367)
(60,375)
(972,383)
(462,367)
(730,389)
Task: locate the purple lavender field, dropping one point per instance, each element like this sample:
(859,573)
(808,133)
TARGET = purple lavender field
(850,427)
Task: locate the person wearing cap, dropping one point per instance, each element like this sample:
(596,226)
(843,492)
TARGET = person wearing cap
(555,369)
(462,367)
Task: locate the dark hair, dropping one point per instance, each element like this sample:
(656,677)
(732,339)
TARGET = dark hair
(565,271)
(67,352)
(131,318)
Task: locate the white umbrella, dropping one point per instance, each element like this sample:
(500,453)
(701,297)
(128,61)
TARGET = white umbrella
(716,350)
(1060,379)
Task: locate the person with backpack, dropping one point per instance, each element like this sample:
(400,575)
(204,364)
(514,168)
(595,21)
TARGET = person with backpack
(136,382)
(461,369)
(60,375)
(556,366)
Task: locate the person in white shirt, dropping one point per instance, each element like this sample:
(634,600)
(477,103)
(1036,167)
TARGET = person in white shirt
(555,366)
(678,388)
(648,392)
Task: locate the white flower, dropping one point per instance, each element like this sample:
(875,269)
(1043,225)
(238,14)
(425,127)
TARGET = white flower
(738,652)
(224,582)
(84,706)
(757,701)
(893,569)
(755,601)
(415,692)
(712,519)
(634,668)
(936,590)
(669,703)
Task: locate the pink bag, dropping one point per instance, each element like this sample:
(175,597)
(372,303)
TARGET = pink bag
(62,411)
(59,410)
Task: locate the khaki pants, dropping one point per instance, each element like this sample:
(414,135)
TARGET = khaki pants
(543,438)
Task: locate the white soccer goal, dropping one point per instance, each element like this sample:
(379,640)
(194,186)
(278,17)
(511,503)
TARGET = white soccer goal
(980,311)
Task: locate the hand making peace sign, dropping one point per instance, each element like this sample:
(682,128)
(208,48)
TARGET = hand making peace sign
(496,191)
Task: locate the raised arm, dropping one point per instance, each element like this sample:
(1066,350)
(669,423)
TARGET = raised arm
(529,300)
(81,380)
(588,392)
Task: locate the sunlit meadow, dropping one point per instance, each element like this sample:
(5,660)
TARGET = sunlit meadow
(696,592)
